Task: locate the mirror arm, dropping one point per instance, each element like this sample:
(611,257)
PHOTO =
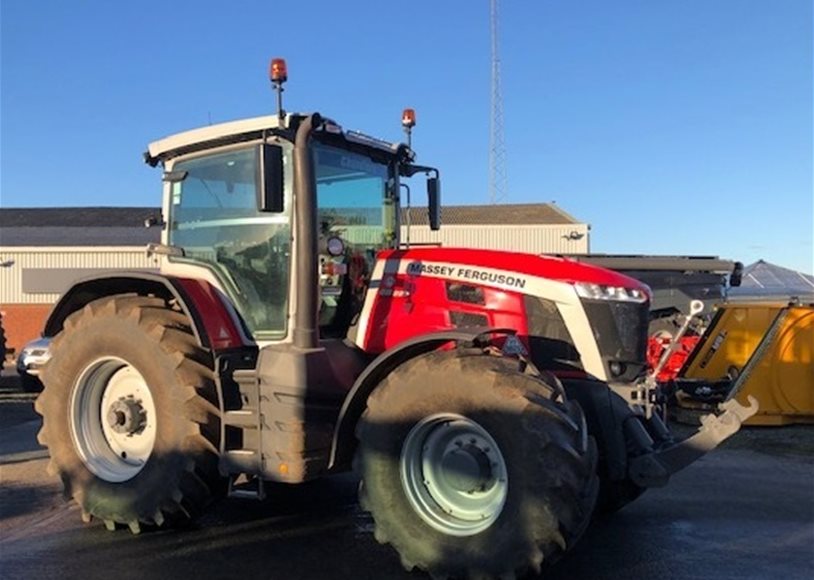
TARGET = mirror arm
(409,170)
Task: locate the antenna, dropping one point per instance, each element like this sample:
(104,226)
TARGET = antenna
(498,182)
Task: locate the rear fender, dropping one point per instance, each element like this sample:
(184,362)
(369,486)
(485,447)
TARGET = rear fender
(215,322)
(344,440)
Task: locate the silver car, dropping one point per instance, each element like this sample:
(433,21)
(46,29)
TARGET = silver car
(32,357)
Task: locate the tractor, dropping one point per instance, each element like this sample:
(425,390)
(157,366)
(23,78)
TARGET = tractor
(489,401)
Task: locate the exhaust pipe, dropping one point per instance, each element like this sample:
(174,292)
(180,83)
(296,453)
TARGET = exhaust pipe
(306,328)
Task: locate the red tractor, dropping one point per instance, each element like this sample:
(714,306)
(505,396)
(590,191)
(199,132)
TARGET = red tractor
(488,400)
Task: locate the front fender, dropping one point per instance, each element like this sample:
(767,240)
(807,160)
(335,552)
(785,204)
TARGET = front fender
(344,441)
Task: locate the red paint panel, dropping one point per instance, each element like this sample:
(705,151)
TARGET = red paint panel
(410,306)
(220,326)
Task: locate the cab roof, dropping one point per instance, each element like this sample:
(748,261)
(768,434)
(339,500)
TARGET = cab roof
(179,142)
(245,129)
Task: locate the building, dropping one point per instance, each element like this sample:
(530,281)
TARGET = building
(535,228)
(44,250)
(766,281)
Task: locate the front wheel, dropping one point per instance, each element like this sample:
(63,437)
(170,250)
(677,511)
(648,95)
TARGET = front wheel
(473,468)
(128,416)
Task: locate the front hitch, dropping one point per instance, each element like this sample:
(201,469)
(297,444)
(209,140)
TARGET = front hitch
(654,469)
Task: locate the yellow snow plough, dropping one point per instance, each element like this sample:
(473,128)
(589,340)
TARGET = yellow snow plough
(760,348)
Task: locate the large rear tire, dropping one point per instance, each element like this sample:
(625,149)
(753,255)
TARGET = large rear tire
(473,468)
(129,415)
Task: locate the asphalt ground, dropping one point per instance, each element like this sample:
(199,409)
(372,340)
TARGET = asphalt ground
(746,511)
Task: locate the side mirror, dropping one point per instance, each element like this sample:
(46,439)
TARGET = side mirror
(270,178)
(736,277)
(434,202)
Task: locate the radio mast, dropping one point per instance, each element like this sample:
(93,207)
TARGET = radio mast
(498,182)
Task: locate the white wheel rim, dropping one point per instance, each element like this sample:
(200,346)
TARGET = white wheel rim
(454,474)
(113,419)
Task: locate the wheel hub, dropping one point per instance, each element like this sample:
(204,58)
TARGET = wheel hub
(467,469)
(454,474)
(127,416)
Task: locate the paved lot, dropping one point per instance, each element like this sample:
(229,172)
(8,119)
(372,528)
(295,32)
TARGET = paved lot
(744,512)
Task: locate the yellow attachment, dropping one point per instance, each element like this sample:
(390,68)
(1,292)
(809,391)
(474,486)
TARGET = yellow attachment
(769,347)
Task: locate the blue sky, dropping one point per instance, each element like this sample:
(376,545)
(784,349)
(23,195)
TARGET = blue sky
(677,126)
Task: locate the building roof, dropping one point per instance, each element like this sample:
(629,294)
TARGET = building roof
(766,280)
(77,226)
(82,217)
(124,226)
(500,214)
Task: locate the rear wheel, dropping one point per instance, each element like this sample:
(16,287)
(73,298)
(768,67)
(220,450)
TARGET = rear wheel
(470,467)
(129,415)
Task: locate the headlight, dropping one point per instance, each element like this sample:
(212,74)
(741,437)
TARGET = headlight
(602,292)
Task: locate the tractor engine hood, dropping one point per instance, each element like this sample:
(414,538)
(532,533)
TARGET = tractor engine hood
(494,266)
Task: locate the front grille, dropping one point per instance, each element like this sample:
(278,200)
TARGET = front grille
(620,330)
(468,319)
(552,347)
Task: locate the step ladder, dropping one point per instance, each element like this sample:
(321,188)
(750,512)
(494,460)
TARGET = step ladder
(244,462)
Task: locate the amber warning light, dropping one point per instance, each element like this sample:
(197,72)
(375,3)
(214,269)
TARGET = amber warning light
(408,118)
(278,71)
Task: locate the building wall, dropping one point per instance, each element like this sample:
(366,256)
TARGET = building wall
(534,239)
(21,284)
(34,281)
(23,322)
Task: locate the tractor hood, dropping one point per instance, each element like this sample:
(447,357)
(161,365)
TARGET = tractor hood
(484,265)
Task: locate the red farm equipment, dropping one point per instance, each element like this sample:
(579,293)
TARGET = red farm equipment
(490,401)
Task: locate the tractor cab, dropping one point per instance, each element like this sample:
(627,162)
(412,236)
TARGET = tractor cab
(229,205)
